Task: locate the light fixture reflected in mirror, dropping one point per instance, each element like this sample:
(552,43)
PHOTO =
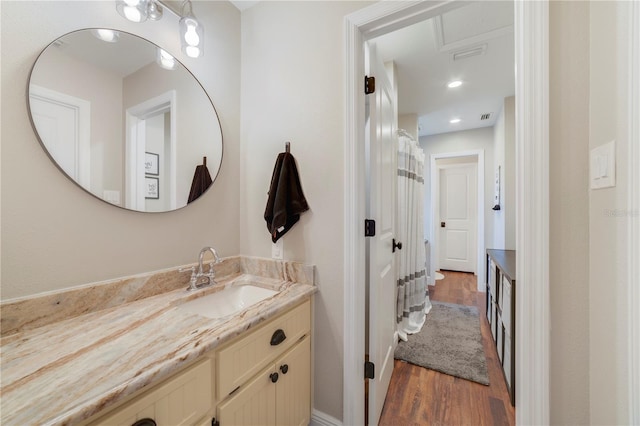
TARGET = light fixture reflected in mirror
(165,60)
(191,32)
(110,36)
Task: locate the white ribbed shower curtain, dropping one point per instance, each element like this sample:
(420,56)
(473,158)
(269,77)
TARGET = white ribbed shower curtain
(413,295)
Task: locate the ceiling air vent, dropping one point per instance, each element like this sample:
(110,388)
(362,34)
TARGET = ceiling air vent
(468,53)
(486,116)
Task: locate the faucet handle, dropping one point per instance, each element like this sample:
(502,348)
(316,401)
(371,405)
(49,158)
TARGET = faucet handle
(194,278)
(212,272)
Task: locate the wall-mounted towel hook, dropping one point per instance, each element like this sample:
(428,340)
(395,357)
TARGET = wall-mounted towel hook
(287,146)
(204,161)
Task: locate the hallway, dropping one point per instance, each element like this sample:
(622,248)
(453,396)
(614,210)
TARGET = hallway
(418,396)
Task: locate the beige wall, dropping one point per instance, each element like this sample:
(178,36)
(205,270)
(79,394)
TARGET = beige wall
(54,235)
(509,175)
(292,90)
(569,212)
(409,122)
(608,214)
(504,220)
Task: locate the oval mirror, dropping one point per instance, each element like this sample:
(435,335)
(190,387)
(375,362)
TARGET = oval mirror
(125,120)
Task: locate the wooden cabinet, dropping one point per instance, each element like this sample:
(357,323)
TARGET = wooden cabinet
(277,389)
(501,299)
(184,399)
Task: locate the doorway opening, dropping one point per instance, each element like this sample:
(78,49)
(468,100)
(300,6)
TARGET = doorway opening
(440,162)
(531,40)
(150,154)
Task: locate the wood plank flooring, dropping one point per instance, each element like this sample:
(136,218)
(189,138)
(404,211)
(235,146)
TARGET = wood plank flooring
(418,396)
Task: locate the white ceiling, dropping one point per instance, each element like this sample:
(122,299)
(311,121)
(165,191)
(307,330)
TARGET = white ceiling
(423,54)
(125,57)
(243,4)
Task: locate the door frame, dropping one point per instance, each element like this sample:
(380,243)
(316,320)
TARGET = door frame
(134,155)
(531,31)
(435,202)
(633,252)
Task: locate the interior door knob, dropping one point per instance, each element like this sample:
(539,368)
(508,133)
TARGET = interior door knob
(442,224)
(396,245)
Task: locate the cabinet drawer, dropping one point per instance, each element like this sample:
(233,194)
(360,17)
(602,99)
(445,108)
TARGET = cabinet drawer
(492,279)
(506,365)
(506,305)
(499,339)
(242,359)
(494,319)
(182,400)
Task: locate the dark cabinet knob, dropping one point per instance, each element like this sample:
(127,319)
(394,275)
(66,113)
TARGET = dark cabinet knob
(284,368)
(278,337)
(396,245)
(145,422)
(274,377)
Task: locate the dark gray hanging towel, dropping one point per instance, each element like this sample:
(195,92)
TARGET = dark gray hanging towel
(286,201)
(201,182)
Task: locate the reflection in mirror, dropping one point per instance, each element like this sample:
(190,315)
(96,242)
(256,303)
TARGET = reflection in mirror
(124,120)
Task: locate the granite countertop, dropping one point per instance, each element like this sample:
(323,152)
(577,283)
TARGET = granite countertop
(65,372)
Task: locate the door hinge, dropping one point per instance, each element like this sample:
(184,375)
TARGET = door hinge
(214,422)
(369,228)
(369,370)
(369,85)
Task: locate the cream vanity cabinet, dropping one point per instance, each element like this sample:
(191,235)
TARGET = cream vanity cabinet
(265,378)
(262,377)
(184,399)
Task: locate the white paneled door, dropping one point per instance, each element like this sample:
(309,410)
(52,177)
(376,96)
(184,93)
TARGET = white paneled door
(382,144)
(458,222)
(63,125)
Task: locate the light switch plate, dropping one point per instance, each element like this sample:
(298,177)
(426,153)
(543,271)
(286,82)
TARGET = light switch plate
(602,166)
(277,249)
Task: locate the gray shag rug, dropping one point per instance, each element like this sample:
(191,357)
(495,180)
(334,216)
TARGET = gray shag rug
(450,342)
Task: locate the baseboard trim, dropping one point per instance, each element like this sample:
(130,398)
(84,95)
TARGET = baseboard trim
(318,418)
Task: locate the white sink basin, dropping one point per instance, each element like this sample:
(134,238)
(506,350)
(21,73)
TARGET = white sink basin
(226,302)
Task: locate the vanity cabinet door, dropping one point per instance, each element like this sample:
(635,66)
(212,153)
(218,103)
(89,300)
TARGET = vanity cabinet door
(253,404)
(278,395)
(182,400)
(293,390)
(242,359)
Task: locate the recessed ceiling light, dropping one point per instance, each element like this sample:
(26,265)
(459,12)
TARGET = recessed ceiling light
(454,121)
(454,83)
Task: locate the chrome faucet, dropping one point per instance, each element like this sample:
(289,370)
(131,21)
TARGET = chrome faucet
(201,279)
